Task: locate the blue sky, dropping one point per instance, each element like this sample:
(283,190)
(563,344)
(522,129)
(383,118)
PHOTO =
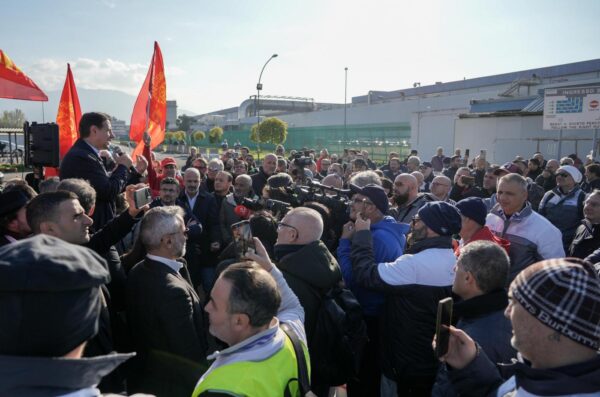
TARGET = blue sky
(214,50)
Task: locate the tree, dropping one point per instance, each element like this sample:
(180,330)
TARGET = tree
(215,134)
(185,122)
(198,136)
(12,119)
(271,130)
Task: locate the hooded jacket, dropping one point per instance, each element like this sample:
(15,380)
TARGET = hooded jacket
(310,272)
(389,239)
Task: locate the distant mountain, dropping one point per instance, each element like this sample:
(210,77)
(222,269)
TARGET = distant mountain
(116,103)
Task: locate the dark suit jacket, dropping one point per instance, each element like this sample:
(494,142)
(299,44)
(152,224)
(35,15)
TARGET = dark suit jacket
(82,162)
(204,212)
(164,314)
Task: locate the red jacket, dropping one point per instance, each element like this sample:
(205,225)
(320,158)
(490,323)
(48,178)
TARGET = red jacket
(485,234)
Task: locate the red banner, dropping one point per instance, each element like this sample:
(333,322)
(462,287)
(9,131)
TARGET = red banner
(150,110)
(14,84)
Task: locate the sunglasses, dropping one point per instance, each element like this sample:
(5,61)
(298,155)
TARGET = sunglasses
(563,174)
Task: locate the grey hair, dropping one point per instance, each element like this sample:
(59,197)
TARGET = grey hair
(159,222)
(82,188)
(414,159)
(487,262)
(364,178)
(49,185)
(514,178)
(216,162)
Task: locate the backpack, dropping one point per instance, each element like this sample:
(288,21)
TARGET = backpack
(339,339)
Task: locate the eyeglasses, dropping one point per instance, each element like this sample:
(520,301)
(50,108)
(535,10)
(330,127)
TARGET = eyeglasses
(282,224)
(563,174)
(361,201)
(414,220)
(170,166)
(439,184)
(214,169)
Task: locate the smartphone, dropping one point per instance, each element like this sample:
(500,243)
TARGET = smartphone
(483,153)
(142,196)
(467,151)
(442,326)
(242,238)
(467,180)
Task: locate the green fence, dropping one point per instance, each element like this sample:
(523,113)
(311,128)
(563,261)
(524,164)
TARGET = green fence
(378,139)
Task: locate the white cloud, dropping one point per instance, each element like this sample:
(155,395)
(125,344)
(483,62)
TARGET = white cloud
(108,74)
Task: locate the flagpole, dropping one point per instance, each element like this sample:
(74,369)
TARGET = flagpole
(43,115)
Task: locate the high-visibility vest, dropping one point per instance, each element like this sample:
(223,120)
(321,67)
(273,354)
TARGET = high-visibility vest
(269,377)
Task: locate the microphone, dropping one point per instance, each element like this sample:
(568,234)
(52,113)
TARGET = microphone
(242,211)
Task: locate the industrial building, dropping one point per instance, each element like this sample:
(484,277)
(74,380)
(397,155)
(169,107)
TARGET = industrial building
(501,114)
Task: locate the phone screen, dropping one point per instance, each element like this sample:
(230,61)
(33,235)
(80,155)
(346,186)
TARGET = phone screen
(467,151)
(141,197)
(442,326)
(242,238)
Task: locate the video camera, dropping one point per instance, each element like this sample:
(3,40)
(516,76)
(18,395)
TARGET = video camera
(277,207)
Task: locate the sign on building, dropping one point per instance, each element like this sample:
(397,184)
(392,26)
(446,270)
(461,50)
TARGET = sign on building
(574,108)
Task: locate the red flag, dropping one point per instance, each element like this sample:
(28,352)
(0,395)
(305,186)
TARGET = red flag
(150,110)
(14,84)
(67,118)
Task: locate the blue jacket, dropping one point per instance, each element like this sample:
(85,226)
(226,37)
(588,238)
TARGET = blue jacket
(389,238)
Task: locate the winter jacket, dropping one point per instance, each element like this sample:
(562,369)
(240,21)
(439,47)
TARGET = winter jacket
(564,211)
(414,284)
(486,235)
(389,238)
(589,187)
(51,376)
(407,211)
(586,241)
(259,180)
(532,237)
(481,378)
(482,317)
(310,272)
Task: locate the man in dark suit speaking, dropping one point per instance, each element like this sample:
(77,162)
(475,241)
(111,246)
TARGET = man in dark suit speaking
(83,161)
(163,310)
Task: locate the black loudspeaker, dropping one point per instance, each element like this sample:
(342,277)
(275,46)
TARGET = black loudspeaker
(41,145)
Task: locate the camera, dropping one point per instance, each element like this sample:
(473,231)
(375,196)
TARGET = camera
(276,206)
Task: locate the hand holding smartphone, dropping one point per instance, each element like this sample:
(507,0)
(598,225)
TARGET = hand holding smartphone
(442,326)
(242,238)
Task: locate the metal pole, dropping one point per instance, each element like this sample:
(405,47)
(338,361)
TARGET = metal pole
(345,104)
(258,88)
(594,145)
(559,144)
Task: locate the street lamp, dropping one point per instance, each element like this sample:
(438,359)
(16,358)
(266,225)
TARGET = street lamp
(345,101)
(258,88)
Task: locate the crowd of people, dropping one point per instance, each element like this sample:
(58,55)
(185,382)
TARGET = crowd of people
(103,294)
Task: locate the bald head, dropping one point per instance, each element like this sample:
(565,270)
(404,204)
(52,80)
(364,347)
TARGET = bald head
(308,225)
(440,187)
(419,177)
(552,165)
(333,180)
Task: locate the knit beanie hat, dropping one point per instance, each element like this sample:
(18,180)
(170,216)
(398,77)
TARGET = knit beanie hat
(473,208)
(563,294)
(441,217)
(574,172)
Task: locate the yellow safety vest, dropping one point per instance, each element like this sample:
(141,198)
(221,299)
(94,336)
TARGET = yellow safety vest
(266,378)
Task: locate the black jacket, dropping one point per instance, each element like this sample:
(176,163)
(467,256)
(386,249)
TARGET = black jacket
(411,306)
(82,162)
(259,180)
(205,213)
(165,317)
(482,317)
(310,272)
(586,241)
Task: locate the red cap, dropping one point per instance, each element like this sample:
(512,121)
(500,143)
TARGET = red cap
(167,161)
(242,211)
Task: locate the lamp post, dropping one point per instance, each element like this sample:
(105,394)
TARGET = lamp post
(258,88)
(345,103)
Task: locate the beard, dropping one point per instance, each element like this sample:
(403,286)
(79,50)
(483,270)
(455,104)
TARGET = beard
(401,199)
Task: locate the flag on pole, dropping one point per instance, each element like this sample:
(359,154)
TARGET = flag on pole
(14,84)
(67,118)
(150,110)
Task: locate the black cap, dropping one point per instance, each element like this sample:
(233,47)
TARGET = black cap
(49,296)
(12,201)
(375,193)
